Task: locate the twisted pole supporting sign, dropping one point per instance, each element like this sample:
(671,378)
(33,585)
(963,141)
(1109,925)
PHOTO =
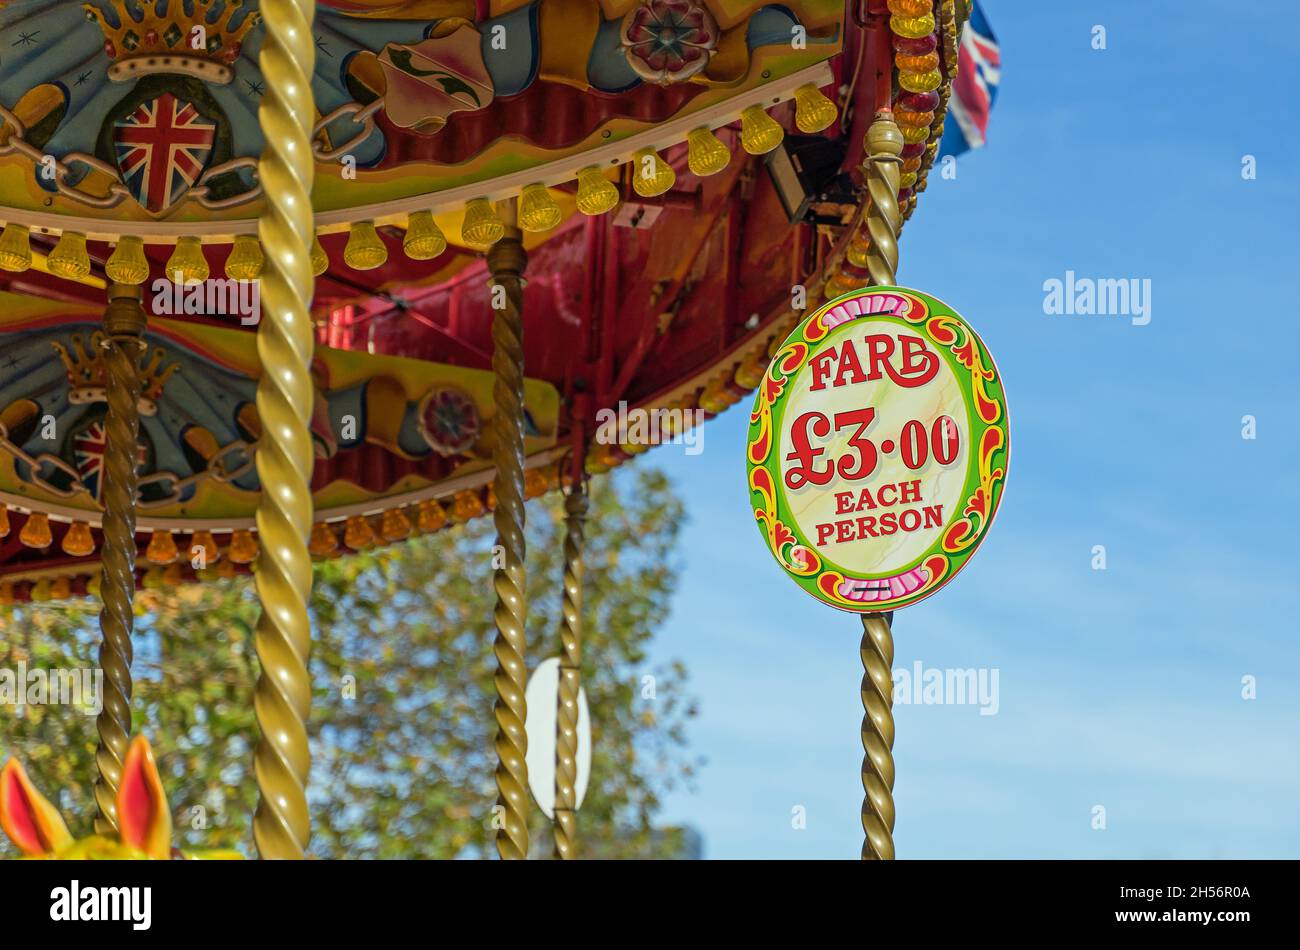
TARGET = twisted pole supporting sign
(282,700)
(566,718)
(884,147)
(877,737)
(506,262)
(124,325)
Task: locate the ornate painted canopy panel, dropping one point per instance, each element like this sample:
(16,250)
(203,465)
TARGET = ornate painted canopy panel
(136,112)
(380,423)
(386,430)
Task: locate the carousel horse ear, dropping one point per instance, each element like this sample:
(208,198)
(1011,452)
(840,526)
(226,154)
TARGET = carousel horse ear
(143,818)
(31,822)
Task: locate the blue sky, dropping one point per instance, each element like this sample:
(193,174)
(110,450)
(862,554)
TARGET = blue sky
(1122,687)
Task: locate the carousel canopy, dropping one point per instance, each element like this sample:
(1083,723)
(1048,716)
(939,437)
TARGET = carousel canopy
(688,175)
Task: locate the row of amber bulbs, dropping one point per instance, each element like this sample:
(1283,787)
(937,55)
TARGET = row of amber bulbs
(358,531)
(166,562)
(424,240)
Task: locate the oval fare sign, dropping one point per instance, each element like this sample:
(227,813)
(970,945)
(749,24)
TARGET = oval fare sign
(878,449)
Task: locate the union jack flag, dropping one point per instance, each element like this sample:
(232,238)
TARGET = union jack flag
(88,448)
(979,70)
(162,148)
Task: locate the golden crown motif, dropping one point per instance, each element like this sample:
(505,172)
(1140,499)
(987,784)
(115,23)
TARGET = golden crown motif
(203,43)
(88,374)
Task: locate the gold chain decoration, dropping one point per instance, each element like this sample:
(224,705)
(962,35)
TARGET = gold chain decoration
(362,115)
(506,262)
(884,145)
(877,737)
(566,717)
(282,825)
(124,325)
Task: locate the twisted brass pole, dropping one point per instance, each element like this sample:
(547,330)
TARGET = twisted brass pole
(884,167)
(884,146)
(124,325)
(282,699)
(877,737)
(506,262)
(566,717)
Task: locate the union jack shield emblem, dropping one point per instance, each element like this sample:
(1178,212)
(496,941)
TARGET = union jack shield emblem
(162,147)
(88,448)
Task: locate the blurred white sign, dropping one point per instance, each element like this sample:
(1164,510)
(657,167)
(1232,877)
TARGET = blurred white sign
(542,697)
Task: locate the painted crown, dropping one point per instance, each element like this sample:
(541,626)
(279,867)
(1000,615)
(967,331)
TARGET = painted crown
(88,375)
(159,36)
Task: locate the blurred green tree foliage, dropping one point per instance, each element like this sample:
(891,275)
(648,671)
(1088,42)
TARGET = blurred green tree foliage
(402,664)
